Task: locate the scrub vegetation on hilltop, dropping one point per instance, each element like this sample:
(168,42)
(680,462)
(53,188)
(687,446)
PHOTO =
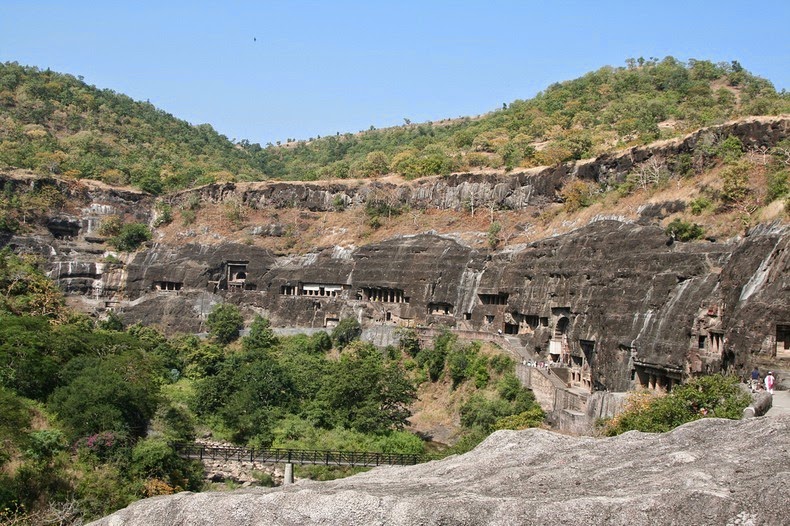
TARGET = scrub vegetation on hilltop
(55,123)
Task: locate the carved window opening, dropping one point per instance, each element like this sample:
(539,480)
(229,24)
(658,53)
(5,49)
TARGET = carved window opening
(384,295)
(782,341)
(320,290)
(701,340)
(331,323)
(168,286)
(544,321)
(511,328)
(236,274)
(489,318)
(467,315)
(532,321)
(440,309)
(655,379)
(493,299)
(716,343)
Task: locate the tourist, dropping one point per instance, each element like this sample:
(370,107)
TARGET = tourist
(769,382)
(755,379)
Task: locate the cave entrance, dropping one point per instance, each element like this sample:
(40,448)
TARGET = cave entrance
(558,346)
(782,341)
(237,274)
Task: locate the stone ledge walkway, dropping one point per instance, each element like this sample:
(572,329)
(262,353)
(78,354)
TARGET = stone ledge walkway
(781,404)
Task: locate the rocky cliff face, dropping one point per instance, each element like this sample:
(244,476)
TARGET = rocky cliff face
(616,299)
(706,472)
(617,302)
(516,190)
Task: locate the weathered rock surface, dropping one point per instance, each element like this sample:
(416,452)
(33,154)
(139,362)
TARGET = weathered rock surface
(615,300)
(512,191)
(618,297)
(708,472)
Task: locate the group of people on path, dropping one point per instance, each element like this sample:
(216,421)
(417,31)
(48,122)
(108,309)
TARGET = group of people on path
(769,381)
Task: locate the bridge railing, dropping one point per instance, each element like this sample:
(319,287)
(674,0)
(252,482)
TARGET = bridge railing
(204,452)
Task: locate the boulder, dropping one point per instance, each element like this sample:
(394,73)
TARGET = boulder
(711,471)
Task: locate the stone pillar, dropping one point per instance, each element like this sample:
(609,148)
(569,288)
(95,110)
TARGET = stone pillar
(288,476)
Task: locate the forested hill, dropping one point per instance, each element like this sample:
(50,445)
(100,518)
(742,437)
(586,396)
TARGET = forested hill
(604,110)
(55,123)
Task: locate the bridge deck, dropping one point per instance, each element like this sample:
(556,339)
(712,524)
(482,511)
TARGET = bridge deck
(296,456)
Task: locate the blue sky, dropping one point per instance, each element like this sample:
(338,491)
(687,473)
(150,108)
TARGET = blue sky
(267,71)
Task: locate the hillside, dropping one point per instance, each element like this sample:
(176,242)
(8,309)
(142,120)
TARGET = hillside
(652,264)
(604,110)
(54,123)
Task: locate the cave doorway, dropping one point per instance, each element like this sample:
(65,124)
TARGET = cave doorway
(558,346)
(782,341)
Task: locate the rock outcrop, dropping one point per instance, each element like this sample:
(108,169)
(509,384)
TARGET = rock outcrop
(707,472)
(616,301)
(513,191)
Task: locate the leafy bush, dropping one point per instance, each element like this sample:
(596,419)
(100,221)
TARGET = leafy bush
(778,186)
(576,195)
(493,234)
(531,418)
(700,204)
(408,341)
(483,413)
(224,322)
(110,226)
(433,358)
(684,230)
(131,236)
(155,459)
(736,183)
(347,330)
(730,149)
(164,214)
(705,397)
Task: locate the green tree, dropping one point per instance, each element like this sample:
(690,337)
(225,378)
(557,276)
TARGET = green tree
(116,393)
(224,322)
(433,359)
(362,392)
(261,335)
(248,394)
(408,341)
(735,189)
(347,330)
(131,236)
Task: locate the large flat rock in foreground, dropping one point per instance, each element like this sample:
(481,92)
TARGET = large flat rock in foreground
(708,472)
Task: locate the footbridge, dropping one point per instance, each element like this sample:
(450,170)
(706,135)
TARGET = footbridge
(289,457)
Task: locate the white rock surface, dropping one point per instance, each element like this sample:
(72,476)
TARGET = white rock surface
(707,472)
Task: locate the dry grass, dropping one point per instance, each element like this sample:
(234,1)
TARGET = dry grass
(307,231)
